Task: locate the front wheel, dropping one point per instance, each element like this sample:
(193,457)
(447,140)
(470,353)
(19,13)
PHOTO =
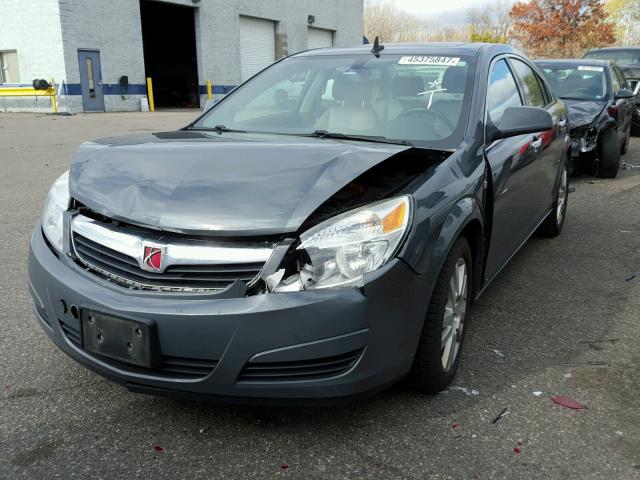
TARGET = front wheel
(438,354)
(608,148)
(552,225)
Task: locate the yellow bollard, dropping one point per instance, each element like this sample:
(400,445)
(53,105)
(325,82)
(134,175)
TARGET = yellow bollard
(209,96)
(152,107)
(54,103)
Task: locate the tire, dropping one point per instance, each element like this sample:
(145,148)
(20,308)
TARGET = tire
(429,373)
(625,145)
(552,225)
(608,162)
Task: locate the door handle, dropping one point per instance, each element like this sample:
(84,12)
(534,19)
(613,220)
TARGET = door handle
(536,144)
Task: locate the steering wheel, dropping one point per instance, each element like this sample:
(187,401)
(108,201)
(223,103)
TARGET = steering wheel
(435,113)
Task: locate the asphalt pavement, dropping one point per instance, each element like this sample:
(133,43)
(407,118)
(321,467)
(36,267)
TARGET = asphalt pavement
(562,319)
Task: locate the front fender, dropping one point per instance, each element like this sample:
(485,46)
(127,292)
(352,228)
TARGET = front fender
(442,230)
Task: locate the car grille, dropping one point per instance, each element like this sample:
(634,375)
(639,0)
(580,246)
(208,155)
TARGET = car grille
(170,367)
(126,270)
(314,369)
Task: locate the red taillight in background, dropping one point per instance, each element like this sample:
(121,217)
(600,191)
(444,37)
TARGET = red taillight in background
(613,111)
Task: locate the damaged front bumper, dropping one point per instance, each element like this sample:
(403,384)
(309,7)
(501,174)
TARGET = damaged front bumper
(585,138)
(308,346)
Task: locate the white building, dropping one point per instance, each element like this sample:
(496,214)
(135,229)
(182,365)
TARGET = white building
(101,51)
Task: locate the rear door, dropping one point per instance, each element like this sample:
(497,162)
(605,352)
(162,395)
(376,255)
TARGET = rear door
(550,144)
(624,107)
(514,171)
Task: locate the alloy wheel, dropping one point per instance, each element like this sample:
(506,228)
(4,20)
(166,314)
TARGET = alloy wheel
(562,197)
(454,313)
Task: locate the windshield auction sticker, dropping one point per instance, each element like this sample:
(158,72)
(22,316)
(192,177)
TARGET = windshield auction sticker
(589,68)
(429,60)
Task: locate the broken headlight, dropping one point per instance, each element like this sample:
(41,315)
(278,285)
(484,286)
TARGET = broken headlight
(57,203)
(339,251)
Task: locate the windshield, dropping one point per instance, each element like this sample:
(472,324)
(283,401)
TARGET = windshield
(419,99)
(584,82)
(621,57)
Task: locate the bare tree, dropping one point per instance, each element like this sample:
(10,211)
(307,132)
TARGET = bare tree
(490,22)
(383,18)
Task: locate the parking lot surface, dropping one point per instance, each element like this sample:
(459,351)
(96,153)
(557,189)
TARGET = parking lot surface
(563,318)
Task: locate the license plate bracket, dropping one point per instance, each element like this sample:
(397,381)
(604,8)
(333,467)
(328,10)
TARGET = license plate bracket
(126,340)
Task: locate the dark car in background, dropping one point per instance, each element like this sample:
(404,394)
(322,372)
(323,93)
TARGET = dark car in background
(600,110)
(304,244)
(628,59)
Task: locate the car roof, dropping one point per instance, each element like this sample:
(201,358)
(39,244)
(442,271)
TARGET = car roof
(612,49)
(431,48)
(587,62)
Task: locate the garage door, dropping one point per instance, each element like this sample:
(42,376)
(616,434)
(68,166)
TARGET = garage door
(257,45)
(319,38)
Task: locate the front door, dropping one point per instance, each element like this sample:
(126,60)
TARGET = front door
(91,80)
(514,164)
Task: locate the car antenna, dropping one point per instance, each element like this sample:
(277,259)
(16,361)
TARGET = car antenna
(377,48)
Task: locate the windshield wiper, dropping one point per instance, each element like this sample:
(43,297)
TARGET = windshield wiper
(364,138)
(217,128)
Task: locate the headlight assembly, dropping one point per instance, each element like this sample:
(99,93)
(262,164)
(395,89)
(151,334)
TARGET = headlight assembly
(342,249)
(57,203)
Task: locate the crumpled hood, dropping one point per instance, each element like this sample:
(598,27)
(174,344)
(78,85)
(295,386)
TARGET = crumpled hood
(583,112)
(205,183)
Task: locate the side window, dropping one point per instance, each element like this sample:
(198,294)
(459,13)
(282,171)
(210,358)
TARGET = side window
(530,85)
(502,92)
(616,81)
(621,77)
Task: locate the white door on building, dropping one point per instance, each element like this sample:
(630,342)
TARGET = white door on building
(319,38)
(257,45)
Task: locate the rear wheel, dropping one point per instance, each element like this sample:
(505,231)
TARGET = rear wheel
(438,354)
(552,225)
(608,161)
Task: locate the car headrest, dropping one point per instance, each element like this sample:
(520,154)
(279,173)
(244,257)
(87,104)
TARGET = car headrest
(408,86)
(455,79)
(350,88)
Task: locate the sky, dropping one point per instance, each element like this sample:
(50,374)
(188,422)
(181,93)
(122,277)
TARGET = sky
(427,7)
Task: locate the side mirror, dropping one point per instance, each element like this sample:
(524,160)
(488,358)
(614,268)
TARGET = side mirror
(520,121)
(624,94)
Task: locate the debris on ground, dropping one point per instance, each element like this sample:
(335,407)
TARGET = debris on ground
(284,466)
(158,449)
(628,279)
(567,402)
(605,340)
(517,450)
(585,364)
(619,433)
(629,166)
(505,411)
(497,352)
(537,393)
(572,189)
(568,375)
(466,391)
(204,429)
(455,425)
